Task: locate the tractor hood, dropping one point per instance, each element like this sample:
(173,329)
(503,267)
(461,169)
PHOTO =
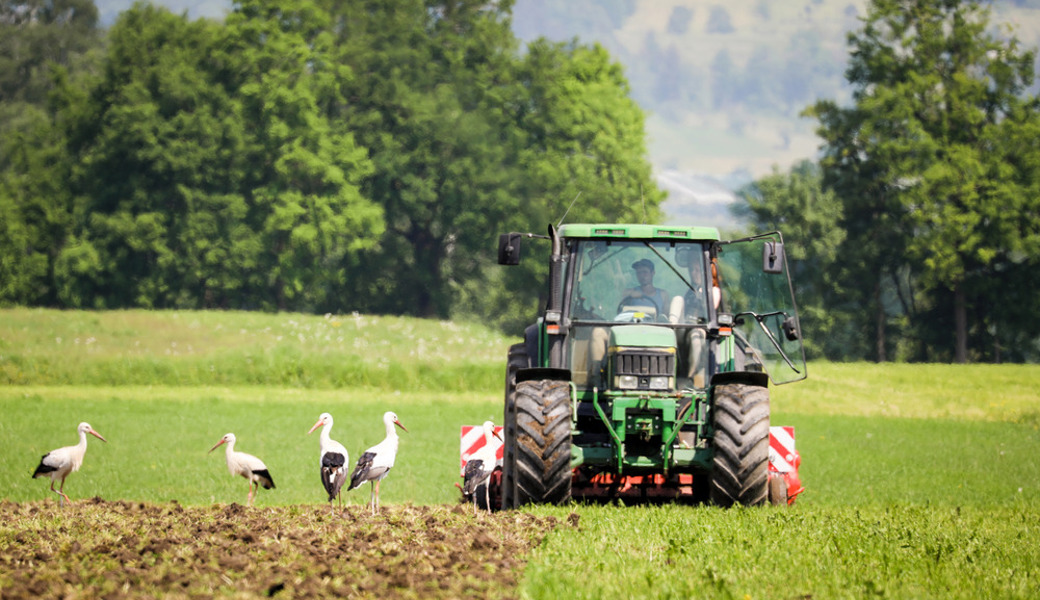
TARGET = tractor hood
(642,336)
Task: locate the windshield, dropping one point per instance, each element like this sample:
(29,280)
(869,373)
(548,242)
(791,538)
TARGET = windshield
(639,281)
(763,303)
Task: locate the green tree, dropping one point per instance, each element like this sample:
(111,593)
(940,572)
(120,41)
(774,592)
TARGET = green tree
(208,172)
(920,156)
(36,35)
(43,47)
(303,190)
(428,107)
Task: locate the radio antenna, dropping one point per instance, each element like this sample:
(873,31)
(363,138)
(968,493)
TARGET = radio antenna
(568,209)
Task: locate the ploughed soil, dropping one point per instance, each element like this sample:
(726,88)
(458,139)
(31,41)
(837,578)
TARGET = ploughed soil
(96,548)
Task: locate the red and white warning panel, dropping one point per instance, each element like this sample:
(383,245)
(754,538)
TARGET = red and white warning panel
(781,449)
(472,439)
(784,461)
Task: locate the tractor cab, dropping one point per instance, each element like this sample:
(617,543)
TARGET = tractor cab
(675,304)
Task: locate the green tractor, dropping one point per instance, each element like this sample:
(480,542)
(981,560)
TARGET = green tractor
(646,376)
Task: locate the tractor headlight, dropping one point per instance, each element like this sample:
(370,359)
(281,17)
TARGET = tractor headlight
(628,382)
(660,383)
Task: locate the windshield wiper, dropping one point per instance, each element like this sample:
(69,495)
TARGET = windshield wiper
(672,267)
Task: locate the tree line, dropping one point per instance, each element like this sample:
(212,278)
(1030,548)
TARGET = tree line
(328,156)
(301,155)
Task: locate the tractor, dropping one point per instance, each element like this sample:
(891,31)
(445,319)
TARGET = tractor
(646,376)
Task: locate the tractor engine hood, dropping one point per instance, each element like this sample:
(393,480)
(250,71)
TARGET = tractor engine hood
(646,336)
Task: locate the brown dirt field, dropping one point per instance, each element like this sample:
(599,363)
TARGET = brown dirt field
(95,548)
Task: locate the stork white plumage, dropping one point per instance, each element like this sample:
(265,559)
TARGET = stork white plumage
(333,459)
(480,466)
(246,465)
(377,461)
(59,463)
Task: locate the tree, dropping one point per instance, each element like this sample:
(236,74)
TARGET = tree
(208,174)
(933,199)
(427,103)
(43,47)
(36,35)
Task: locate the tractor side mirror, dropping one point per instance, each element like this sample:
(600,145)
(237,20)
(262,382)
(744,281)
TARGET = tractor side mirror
(773,257)
(790,328)
(509,249)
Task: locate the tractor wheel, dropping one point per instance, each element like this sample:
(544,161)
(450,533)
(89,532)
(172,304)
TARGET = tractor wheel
(741,465)
(518,359)
(542,468)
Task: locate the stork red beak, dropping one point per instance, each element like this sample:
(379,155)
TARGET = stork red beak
(495,433)
(97,435)
(398,423)
(315,426)
(217,445)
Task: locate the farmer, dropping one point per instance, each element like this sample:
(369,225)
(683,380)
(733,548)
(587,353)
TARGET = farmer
(646,294)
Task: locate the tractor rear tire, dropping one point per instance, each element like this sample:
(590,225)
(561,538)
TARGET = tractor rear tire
(542,469)
(741,464)
(518,359)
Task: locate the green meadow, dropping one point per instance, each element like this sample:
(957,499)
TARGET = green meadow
(922,481)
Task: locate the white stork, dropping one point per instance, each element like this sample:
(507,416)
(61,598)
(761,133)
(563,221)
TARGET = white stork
(333,460)
(246,465)
(377,461)
(480,466)
(59,463)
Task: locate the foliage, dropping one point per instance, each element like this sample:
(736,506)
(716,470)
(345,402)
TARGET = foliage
(172,209)
(439,138)
(938,190)
(40,43)
(35,35)
(314,156)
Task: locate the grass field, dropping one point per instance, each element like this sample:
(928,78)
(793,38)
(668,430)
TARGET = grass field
(922,480)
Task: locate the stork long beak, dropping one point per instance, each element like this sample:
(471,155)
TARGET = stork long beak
(97,435)
(495,433)
(315,426)
(217,445)
(398,423)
